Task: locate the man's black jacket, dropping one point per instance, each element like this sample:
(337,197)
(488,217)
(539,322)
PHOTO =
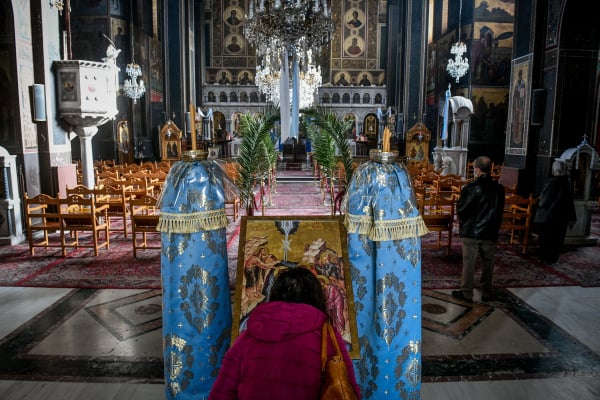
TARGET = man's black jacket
(480,208)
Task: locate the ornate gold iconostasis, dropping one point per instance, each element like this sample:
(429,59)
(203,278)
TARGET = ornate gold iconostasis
(417,142)
(353,55)
(170,141)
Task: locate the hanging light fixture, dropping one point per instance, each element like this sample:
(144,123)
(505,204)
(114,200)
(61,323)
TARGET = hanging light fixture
(459,65)
(133,88)
(267,81)
(285,33)
(310,80)
(296,26)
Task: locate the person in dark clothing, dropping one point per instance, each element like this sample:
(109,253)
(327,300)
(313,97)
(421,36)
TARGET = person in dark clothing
(479,211)
(556,212)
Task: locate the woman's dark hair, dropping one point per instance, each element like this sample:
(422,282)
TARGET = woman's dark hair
(298,285)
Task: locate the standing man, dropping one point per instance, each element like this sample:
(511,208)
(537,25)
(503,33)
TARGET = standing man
(479,211)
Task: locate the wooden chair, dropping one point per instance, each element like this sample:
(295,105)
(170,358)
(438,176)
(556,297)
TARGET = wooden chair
(131,168)
(138,186)
(516,218)
(438,214)
(157,179)
(163,165)
(107,164)
(423,184)
(447,186)
(111,182)
(148,165)
(107,174)
(80,190)
(81,214)
(144,219)
(117,200)
(42,215)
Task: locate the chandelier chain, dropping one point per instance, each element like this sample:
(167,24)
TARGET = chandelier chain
(133,88)
(458,66)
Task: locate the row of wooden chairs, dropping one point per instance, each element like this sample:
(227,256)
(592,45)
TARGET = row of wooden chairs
(439,214)
(73,214)
(110,165)
(128,203)
(88,210)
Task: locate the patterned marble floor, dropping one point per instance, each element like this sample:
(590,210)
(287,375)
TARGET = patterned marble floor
(538,343)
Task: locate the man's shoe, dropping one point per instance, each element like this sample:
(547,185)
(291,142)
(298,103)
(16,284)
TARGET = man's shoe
(458,294)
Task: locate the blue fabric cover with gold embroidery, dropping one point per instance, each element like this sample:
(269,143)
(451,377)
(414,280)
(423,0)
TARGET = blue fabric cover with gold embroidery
(384,247)
(196,296)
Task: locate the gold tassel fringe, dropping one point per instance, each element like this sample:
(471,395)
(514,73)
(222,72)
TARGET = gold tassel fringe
(193,222)
(382,230)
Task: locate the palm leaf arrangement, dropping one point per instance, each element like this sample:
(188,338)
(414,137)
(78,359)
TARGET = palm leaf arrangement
(257,154)
(328,135)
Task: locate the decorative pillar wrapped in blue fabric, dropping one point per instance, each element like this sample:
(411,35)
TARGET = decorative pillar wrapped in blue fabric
(384,247)
(196,294)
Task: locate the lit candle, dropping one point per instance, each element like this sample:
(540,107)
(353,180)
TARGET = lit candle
(386,140)
(193,125)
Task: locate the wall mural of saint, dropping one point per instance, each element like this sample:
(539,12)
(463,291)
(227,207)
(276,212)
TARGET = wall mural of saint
(354,18)
(354,46)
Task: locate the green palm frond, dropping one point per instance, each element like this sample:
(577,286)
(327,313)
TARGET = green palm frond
(323,148)
(256,152)
(329,125)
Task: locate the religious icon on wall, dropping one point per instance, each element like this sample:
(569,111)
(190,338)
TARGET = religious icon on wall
(371,125)
(233,16)
(353,18)
(234,43)
(518,117)
(354,46)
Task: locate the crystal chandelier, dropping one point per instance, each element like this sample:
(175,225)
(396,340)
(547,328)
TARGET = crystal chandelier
(458,66)
(285,34)
(267,81)
(295,26)
(310,80)
(132,88)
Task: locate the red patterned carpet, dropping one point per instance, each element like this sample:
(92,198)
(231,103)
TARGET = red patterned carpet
(116,268)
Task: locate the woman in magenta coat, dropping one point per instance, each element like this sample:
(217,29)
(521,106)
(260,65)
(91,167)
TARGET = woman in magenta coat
(279,355)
